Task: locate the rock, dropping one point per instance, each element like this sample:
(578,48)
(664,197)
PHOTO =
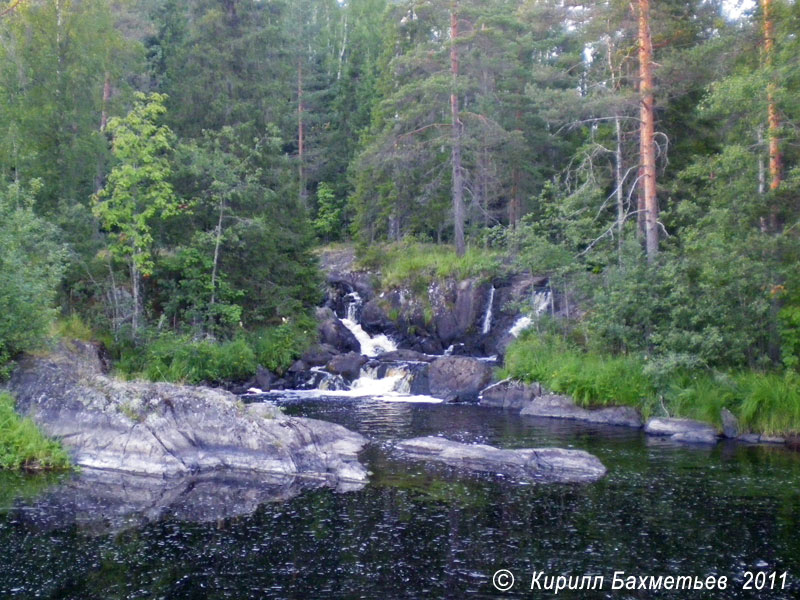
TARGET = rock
(460,376)
(510,394)
(538,464)
(319,355)
(682,430)
(730,424)
(562,407)
(405,356)
(347,365)
(446,327)
(169,430)
(771,439)
(333,332)
(755,438)
(374,319)
(298,366)
(264,379)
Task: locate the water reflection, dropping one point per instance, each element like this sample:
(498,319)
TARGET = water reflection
(419,531)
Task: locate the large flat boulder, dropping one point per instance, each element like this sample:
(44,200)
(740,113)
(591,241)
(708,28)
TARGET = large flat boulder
(168,430)
(682,430)
(552,465)
(458,377)
(561,407)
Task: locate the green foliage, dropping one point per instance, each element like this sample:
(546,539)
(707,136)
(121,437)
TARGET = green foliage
(276,348)
(328,223)
(73,328)
(22,446)
(138,191)
(170,357)
(766,403)
(180,358)
(31,264)
(591,379)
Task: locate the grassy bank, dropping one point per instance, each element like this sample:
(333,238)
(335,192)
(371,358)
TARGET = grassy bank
(415,265)
(766,403)
(22,445)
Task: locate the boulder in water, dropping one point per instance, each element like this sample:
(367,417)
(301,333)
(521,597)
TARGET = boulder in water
(458,377)
(547,465)
(561,407)
(347,365)
(682,430)
(730,424)
(510,393)
(167,430)
(334,333)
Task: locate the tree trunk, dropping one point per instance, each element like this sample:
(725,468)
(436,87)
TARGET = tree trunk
(458,175)
(618,182)
(647,182)
(773,121)
(137,299)
(300,135)
(217,243)
(99,178)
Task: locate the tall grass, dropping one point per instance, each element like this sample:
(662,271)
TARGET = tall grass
(180,358)
(22,445)
(415,265)
(590,379)
(767,403)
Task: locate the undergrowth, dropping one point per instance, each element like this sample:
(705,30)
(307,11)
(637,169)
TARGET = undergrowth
(764,402)
(22,445)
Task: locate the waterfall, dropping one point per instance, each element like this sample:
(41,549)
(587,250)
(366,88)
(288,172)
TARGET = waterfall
(541,302)
(487,319)
(520,325)
(370,345)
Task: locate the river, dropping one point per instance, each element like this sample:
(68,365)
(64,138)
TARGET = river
(420,531)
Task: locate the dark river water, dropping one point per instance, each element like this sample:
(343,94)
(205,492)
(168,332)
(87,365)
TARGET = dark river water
(420,531)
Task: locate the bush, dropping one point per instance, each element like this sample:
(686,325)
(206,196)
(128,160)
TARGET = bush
(180,359)
(22,446)
(31,264)
(276,348)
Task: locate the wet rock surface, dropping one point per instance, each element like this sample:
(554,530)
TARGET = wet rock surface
(167,430)
(682,430)
(458,378)
(547,465)
(510,394)
(562,407)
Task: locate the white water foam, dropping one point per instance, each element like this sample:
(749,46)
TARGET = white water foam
(364,392)
(370,346)
(520,325)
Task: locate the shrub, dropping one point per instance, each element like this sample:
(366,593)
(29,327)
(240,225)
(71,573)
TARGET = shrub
(31,264)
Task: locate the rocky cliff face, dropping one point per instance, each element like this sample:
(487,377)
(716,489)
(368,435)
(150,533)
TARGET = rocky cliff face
(472,317)
(168,430)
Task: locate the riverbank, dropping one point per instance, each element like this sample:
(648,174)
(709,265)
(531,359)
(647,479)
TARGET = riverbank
(765,403)
(22,445)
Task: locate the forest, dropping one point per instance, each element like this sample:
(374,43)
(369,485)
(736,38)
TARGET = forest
(169,168)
